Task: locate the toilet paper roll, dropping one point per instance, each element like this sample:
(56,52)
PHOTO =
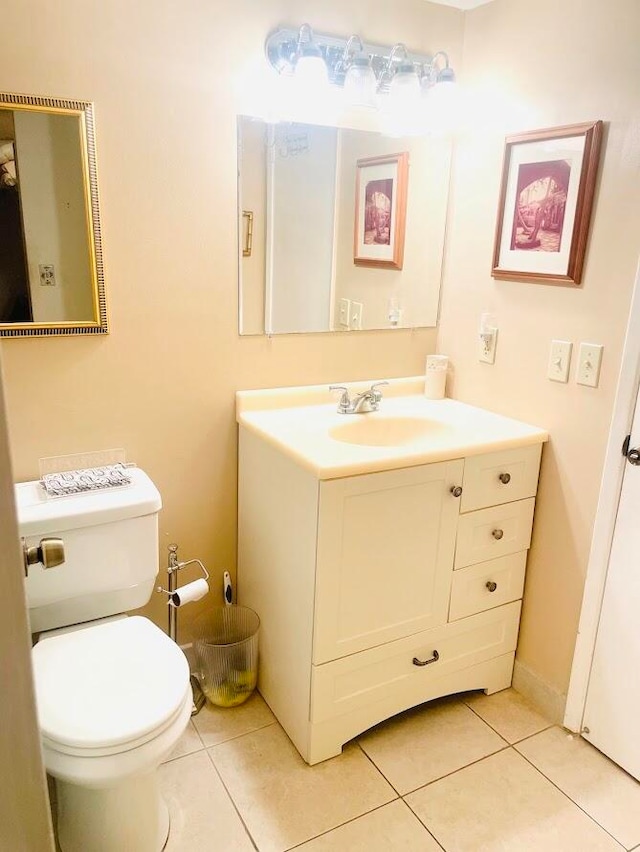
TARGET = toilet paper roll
(191,592)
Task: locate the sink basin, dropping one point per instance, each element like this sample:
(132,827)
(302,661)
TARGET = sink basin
(386,431)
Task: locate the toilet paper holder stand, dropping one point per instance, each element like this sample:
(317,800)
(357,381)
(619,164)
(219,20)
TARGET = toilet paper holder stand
(173,566)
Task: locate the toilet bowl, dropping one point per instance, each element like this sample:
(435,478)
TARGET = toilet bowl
(113,691)
(113,699)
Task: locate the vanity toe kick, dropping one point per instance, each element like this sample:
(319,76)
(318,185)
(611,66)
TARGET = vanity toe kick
(351,694)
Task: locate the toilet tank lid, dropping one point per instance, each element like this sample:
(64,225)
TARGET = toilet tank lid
(39,514)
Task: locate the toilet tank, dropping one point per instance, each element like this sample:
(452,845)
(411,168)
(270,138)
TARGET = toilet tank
(111,550)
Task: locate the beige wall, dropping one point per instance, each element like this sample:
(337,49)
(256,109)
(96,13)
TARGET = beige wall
(162,383)
(552,64)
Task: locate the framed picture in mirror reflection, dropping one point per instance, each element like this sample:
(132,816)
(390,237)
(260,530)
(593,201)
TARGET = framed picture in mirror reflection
(380,210)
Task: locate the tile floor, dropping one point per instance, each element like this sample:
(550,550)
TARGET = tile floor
(468,773)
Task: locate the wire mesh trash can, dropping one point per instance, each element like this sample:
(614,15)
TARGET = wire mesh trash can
(226,651)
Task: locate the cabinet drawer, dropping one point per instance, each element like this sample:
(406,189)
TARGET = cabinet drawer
(471,591)
(489,533)
(358,680)
(496,478)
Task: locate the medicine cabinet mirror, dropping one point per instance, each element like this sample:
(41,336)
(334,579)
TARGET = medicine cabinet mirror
(51,277)
(299,221)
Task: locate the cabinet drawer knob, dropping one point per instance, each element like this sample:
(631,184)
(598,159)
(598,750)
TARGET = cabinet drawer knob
(433,659)
(497,534)
(505,478)
(491,585)
(456,490)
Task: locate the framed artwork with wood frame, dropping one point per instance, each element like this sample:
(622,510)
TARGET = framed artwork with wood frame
(546,198)
(381,210)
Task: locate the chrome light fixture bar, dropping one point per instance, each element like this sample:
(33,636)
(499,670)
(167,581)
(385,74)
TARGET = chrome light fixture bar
(285,48)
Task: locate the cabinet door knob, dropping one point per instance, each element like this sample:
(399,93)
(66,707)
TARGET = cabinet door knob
(456,490)
(491,585)
(432,659)
(505,478)
(497,534)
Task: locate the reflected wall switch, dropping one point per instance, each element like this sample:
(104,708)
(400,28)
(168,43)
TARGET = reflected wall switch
(559,360)
(47,275)
(344,313)
(356,316)
(589,361)
(394,312)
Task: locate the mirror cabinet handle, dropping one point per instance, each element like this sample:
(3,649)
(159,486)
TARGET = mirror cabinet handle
(432,659)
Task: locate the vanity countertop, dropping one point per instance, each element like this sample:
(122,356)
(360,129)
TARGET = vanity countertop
(303,422)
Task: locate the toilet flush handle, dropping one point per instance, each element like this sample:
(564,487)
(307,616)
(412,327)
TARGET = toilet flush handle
(50,552)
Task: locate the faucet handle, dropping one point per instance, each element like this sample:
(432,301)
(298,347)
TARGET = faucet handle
(377,394)
(345,402)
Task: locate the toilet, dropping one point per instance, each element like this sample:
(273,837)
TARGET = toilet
(112,691)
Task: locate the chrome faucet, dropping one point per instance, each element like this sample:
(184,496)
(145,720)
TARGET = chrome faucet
(364,402)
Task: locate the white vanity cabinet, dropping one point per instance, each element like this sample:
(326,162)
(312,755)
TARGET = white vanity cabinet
(380,591)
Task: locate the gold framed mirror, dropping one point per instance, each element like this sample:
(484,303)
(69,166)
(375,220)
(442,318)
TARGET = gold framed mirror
(51,272)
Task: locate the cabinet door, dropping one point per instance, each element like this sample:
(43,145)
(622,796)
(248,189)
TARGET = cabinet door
(385,557)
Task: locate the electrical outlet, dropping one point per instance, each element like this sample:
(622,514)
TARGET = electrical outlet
(487,339)
(559,360)
(589,361)
(487,343)
(47,275)
(344,313)
(356,316)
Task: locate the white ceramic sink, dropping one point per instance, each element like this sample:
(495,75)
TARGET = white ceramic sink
(407,429)
(373,431)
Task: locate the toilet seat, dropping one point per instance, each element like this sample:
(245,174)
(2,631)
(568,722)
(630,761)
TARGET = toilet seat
(120,748)
(109,687)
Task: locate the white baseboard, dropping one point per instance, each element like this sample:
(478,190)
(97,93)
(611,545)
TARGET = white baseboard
(548,700)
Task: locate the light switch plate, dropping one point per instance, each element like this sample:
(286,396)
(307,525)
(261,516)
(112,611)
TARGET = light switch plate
(559,360)
(344,313)
(589,361)
(356,316)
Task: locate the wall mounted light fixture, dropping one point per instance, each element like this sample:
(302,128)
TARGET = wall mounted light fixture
(364,71)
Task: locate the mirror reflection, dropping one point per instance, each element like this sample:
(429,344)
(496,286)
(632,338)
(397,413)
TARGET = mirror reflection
(50,270)
(340,229)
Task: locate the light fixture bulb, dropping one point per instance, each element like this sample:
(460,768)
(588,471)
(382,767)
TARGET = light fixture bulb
(311,69)
(405,85)
(312,98)
(446,75)
(443,104)
(360,83)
